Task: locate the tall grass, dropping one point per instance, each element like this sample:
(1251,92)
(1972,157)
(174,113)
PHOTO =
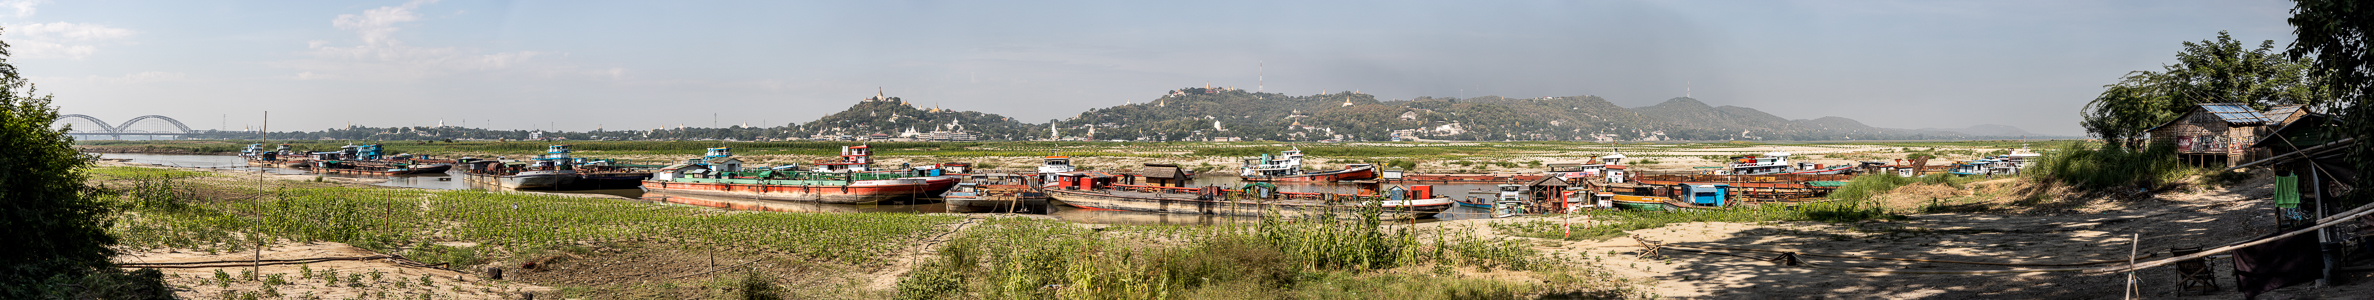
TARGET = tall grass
(2100,167)
(1275,258)
(170,213)
(1866,186)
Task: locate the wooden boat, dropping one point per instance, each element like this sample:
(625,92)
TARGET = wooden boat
(823,191)
(1094,192)
(1461,178)
(1186,202)
(974,197)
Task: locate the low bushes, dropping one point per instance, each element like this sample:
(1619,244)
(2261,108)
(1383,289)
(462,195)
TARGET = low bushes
(2100,167)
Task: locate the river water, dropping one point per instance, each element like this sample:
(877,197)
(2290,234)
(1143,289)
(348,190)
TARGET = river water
(1063,212)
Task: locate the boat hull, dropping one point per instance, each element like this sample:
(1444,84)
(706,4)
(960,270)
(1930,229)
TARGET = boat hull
(1186,203)
(1355,173)
(431,169)
(860,192)
(993,204)
(537,180)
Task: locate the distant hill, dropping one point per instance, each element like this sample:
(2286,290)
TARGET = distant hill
(1990,130)
(1222,113)
(894,116)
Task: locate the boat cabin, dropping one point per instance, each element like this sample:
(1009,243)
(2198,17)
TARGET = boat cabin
(1164,175)
(1285,163)
(1769,163)
(1083,180)
(1573,170)
(1706,194)
(857,158)
(1612,159)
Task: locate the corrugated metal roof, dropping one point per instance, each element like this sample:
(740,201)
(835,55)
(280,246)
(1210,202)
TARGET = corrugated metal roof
(2235,113)
(2279,113)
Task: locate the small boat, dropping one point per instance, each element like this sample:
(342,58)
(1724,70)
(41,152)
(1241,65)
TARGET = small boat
(1474,202)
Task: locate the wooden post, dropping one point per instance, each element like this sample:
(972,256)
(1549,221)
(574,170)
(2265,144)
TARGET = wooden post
(2323,235)
(2133,246)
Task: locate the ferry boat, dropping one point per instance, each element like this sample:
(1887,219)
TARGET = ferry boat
(718,173)
(1096,190)
(1287,166)
(860,159)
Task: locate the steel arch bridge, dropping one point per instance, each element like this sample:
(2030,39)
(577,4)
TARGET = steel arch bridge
(118,130)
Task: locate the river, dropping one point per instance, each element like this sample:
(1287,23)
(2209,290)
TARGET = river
(1063,212)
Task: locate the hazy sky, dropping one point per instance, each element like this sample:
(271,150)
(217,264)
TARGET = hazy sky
(645,64)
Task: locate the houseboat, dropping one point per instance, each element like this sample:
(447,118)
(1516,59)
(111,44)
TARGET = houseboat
(718,173)
(994,193)
(1287,166)
(1096,190)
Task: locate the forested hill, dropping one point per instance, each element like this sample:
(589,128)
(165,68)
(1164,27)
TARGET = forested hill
(1205,113)
(1222,113)
(894,116)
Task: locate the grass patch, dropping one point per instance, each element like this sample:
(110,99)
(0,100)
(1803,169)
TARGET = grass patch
(2102,167)
(1276,258)
(395,220)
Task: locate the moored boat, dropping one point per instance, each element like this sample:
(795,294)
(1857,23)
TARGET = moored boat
(1093,191)
(720,174)
(1287,166)
(977,197)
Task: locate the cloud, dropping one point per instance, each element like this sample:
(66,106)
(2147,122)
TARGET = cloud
(376,24)
(380,55)
(24,8)
(61,39)
(134,78)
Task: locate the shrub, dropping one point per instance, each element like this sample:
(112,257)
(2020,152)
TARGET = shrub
(2101,167)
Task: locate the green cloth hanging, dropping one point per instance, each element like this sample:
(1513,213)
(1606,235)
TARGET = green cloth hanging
(2287,191)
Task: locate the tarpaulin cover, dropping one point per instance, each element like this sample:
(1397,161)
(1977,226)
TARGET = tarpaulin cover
(2270,266)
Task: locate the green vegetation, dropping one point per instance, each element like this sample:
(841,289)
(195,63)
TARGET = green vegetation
(1277,258)
(2339,37)
(1866,186)
(56,223)
(2209,71)
(2102,167)
(389,220)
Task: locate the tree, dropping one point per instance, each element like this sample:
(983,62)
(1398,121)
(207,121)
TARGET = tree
(2338,35)
(56,231)
(2208,71)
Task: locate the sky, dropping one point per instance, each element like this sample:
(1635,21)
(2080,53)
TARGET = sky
(587,64)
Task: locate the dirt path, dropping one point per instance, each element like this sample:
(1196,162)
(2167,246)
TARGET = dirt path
(2207,218)
(905,259)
